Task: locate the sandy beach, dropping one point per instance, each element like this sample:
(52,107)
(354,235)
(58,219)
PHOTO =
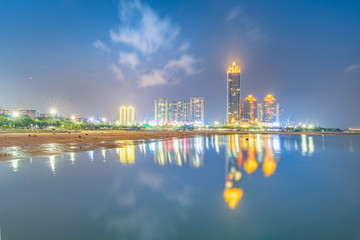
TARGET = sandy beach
(31,144)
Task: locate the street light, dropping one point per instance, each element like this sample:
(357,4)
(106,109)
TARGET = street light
(15,114)
(53,112)
(73,117)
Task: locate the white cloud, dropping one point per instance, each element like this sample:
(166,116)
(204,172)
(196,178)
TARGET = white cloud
(352,67)
(185,63)
(156,77)
(153,181)
(129,59)
(233,13)
(184,46)
(171,72)
(148,32)
(117,71)
(100,45)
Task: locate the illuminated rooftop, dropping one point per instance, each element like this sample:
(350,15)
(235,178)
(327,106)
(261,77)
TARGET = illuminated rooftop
(234,68)
(250,98)
(269,98)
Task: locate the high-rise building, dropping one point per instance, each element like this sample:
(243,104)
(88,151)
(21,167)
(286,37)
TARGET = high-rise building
(250,108)
(161,110)
(197,109)
(127,115)
(270,109)
(260,112)
(233,112)
(179,111)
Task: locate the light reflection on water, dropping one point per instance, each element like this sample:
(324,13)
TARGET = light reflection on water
(175,167)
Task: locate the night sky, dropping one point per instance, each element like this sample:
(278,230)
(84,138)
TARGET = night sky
(90,57)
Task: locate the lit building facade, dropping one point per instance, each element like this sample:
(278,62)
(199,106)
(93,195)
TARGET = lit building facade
(161,110)
(260,112)
(250,108)
(127,115)
(270,109)
(233,112)
(197,109)
(179,111)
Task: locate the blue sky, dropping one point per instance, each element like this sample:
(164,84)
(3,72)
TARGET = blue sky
(91,57)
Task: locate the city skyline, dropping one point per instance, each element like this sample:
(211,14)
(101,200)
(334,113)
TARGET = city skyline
(307,57)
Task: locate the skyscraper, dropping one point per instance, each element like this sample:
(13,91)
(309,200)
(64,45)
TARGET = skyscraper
(270,109)
(260,112)
(197,109)
(127,115)
(233,112)
(179,111)
(161,111)
(250,108)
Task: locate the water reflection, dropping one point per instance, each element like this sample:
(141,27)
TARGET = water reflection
(52,164)
(15,165)
(244,154)
(252,149)
(127,152)
(178,151)
(160,180)
(307,145)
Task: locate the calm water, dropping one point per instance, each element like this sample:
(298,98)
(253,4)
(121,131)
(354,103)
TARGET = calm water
(223,187)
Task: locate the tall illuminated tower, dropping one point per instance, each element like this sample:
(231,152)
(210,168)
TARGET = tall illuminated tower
(270,109)
(250,108)
(233,111)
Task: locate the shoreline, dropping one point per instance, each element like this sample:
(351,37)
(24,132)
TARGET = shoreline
(35,144)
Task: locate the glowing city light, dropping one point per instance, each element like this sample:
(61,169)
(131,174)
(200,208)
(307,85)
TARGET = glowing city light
(53,111)
(232,196)
(15,114)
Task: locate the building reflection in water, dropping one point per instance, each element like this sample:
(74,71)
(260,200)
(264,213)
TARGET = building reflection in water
(178,151)
(72,158)
(103,153)
(52,164)
(307,145)
(243,155)
(15,165)
(127,152)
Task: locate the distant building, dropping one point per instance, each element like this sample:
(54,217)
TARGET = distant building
(250,108)
(179,111)
(197,109)
(233,111)
(161,110)
(271,109)
(25,112)
(127,115)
